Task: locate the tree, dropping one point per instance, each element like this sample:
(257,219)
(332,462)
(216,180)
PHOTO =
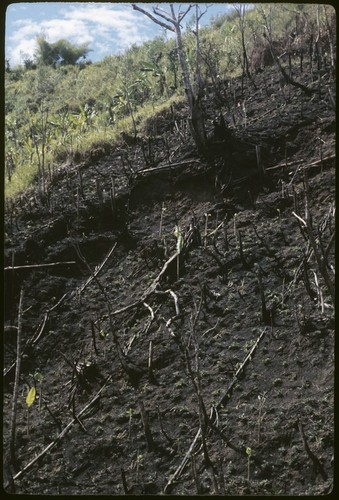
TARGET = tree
(69,53)
(193,91)
(61,52)
(45,54)
(240,10)
(268,35)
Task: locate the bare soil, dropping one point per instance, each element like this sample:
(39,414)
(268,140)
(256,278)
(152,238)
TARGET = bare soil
(246,331)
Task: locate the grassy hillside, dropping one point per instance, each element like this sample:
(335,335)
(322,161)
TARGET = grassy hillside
(54,114)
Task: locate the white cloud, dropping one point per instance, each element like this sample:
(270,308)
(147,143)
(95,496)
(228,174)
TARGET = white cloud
(106,27)
(119,21)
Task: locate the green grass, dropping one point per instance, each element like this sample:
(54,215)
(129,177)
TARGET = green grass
(26,172)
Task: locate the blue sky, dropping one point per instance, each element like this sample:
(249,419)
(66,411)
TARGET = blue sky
(109,27)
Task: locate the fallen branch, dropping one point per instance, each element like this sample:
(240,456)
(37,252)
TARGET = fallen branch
(98,269)
(39,331)
(40,266)
(148,291)
(298,162)
(183,464)
(248,358)
(12,445)
(221,403)
(169,166)
(62,434)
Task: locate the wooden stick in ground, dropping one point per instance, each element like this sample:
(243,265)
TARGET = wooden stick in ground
(124,482)
(62,434)
(97,269)
(222,402)
(147,428)
(264,311)
(113,197)
(150,356)
(12,445)
(316,462)
(38,333)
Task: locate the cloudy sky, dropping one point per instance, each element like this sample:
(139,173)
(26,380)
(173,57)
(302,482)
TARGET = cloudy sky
(108,28)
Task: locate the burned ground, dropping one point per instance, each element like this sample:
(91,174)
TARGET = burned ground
(245,332)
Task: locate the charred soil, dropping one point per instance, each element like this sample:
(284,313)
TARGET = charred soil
(222,354)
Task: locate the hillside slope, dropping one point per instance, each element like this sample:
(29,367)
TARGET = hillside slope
(137,363)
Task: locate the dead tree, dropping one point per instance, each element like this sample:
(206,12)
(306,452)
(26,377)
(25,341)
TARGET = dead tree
(193,92)
(240,10)
(287,78)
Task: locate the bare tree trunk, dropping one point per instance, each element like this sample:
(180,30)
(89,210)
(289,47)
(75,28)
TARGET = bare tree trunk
(173,23)
(287,78)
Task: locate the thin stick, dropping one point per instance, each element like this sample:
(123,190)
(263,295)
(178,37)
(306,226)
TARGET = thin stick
(62,434)
(150,356)
(98,269)
(298,162)
(161,219)
(316,462)
(12,445)
(93,338)
(124,482)
(147,429)
(39,266)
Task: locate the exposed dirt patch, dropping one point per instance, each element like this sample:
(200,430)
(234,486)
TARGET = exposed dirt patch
(206,321)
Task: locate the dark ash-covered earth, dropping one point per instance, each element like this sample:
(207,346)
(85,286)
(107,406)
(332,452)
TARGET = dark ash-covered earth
(124,364)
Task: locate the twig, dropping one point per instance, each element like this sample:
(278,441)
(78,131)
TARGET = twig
(318,467)
(150,361)
(39,266)
(298,162)
(124,482)
(12,446)
(264,311)
(322,265)
(169,439)
(38,333)
(166,167)
(146,426)
(98,268)
(299,218)
(221,403)
(248,358)
(62,434)
(149,290)
(183,464)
